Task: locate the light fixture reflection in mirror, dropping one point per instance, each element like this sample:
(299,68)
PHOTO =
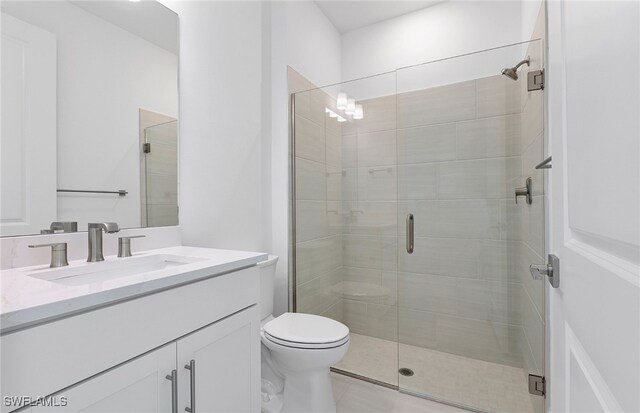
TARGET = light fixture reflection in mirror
(341,101)
(351,106)
(358,113)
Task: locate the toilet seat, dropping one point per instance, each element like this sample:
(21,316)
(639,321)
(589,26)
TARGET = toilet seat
(312,346)
(308,331)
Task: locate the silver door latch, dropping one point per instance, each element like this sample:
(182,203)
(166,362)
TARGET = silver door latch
(551,269)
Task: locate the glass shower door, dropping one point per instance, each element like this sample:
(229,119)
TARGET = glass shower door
(344,209)
(471,318)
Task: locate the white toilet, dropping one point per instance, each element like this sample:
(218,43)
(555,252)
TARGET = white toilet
(297,351)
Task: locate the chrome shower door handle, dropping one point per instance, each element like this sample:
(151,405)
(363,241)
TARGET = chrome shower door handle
(409,240)
(192,376)
(173,378)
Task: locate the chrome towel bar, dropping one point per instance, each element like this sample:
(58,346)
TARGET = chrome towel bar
(120,192)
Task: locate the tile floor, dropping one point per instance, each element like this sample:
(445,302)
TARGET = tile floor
(355,396)
(483,385)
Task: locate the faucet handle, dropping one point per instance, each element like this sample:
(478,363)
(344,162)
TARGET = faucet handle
(64,226)
(108,227)
(124,245)
(58,246)
(58,253)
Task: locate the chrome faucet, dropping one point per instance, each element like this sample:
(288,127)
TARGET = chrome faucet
(95,239)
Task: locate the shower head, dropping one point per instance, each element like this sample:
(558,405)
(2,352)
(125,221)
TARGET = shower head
(512,72)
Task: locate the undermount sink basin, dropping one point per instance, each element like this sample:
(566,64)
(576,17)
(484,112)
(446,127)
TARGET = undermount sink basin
(90,272)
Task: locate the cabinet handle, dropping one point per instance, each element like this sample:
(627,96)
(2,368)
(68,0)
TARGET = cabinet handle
(192,375)
(409,240)
(173,377)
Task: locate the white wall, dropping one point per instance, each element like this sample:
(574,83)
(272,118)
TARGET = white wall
(234,118)
(443,30)
(530,11)
(105,74)
(303,38)
(221,131)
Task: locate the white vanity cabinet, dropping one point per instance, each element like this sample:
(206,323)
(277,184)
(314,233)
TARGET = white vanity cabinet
(139,386)
(224,366)
(216,365)
(116,358)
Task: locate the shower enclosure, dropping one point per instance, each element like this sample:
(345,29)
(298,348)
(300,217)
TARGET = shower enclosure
(406,226)
(159,174)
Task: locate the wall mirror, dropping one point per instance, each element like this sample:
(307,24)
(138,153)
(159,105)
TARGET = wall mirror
(89,114)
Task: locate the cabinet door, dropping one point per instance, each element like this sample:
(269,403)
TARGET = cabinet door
(226,357)
(137,386)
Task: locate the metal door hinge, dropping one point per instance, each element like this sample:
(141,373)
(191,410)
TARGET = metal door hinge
(551,269)
(146,147)
(537,385)
(535,80)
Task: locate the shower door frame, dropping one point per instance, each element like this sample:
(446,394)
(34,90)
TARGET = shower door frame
(292,279)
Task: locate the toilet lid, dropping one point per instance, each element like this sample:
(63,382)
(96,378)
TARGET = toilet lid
(306,329)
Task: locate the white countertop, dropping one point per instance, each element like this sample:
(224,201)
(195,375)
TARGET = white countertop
(28,301)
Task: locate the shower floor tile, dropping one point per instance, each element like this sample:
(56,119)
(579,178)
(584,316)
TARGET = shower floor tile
(371,357)
(355,396)
(479,384)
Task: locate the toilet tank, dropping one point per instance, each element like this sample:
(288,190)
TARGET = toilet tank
(267,284)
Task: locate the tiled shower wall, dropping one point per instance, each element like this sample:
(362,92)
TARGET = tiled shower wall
(444,154)
(318,203)
(369,233)
(452,156)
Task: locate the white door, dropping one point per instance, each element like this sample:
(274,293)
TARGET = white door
(28,141)
(140,385)
(594,111)
(226,360)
